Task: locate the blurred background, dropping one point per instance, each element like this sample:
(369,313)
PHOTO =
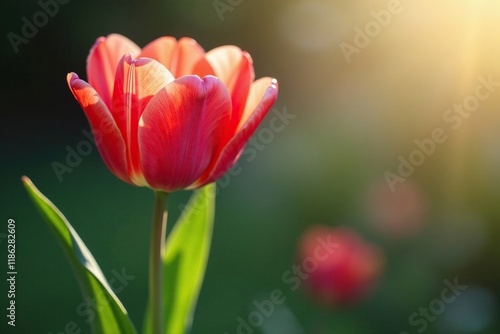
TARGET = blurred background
(365,81)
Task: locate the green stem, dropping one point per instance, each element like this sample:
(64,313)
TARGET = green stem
(155,261)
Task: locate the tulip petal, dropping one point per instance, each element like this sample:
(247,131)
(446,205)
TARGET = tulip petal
(183,57)
(137,81)
(257,92)
(162,50)
(190,59)
(102,61)
(235,68)
(180,131)
(107,136)
(262,96)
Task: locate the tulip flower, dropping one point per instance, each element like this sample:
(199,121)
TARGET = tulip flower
(170,116)
(342,268)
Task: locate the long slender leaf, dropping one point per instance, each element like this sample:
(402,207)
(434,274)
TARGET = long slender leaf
(111,317)
(185,261)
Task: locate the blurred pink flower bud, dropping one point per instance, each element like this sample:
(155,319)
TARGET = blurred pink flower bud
(398,214)
(346,267)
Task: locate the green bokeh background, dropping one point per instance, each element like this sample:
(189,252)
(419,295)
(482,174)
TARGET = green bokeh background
(352,121)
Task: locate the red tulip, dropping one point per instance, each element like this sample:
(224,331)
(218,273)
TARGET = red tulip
(342,268)
(171,116)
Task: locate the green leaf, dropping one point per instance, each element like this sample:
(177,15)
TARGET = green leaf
(111,318)
(185,260)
